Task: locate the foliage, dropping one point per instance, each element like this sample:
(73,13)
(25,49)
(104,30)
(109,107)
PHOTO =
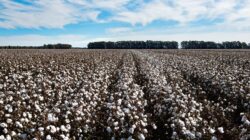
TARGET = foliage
(134,45)
(45,46)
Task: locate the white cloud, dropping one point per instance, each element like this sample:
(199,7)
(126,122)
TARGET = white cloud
(119,30)
(42,13)
(110,5)
(58,13)
(185,11)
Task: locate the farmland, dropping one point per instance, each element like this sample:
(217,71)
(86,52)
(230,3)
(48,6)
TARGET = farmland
(124,94)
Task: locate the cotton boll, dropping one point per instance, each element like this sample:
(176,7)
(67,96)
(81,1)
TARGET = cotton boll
(141,137)
(48,137)
(154,126)
(9,121)
(63,128)
(221,130)
(13,133)
(18,124)
(181,123)
(115,123)
(130,138)
(51,128)
(2,137)
(52,118)
(23,136)
(109,129)
(213,138)
(131,130)
(62,136)
(8,137)
(3,125)
(41,129)
(8,108)
(5,130)
(211,130)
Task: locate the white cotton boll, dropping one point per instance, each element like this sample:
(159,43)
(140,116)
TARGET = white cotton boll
(1,86)
(24,114)
(143,123)
(2,137)
(141,137)
(23,136)
(68,126)
(181,123)
(189,134)
(26,120)
(1,101)
(51,117)
(13,133)
(247,122)
(32,130)
(62,136)
(221,130)
(117,128)
(8,108)
(75,104)
(211,130)
(41,129)
(213,138)
(115,123)
(131,130)
(29,116)
(5,130)
(199,134)
(154,126)
(136,117)
(130,138)
(63,128)
(3,125)
(126,110)
(119,101)
(10,98)
(41,98)
(68,121)
(109,129)
(172,125)
(57,110)
(8,137)
(48,137)
(52,128)
(18,124)
(9,121)
(37,107)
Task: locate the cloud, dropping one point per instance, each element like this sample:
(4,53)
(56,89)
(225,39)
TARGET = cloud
(119,30)
(42,14)
(58,13)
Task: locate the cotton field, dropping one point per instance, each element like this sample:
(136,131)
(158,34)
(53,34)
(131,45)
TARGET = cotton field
(124,94)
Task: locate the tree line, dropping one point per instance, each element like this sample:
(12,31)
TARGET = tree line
(45,46)
(214,45)
(168,45)
(134,45)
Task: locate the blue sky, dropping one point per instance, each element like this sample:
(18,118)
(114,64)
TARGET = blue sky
(38,22)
